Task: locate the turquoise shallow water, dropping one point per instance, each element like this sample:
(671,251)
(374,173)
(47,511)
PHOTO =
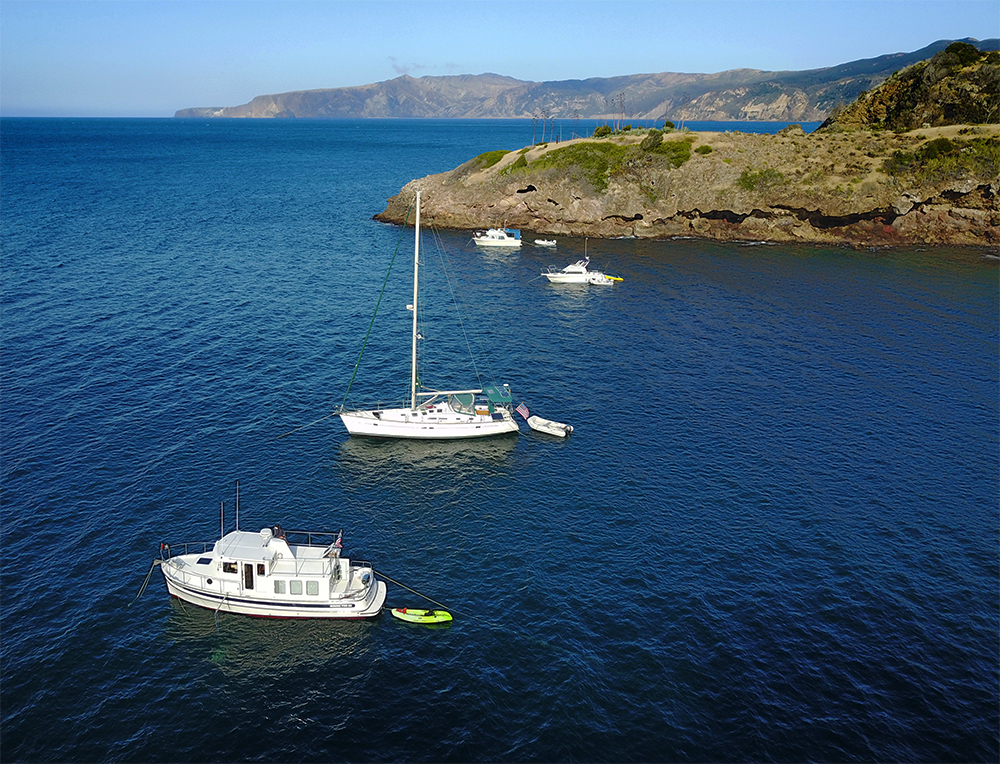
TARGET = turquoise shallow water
(772,536)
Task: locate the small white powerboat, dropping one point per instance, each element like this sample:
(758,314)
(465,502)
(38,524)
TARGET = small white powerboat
(549,427)
(545,242)
(578,273)
(498,237)
(275,573)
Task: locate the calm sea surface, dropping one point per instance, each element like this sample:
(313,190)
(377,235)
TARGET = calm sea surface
(773,535)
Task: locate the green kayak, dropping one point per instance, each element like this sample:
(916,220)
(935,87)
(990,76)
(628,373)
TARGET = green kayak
(416,615)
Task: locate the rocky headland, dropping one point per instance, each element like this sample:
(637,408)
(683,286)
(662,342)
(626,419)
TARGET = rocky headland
(867,177)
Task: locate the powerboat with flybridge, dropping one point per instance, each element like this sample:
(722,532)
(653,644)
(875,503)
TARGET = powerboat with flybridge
(273,573)
(578,273)
(498,237)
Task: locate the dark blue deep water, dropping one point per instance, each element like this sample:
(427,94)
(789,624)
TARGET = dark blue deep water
(773,535)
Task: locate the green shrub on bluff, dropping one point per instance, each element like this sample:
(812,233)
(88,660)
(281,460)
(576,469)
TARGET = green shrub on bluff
(601,161)
(960,54)
(490,158)
(651,141)
(760,181)
(518,164)
(595,160)
(942,159)
(676,152)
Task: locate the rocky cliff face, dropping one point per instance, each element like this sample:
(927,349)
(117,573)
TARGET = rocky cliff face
(936,186)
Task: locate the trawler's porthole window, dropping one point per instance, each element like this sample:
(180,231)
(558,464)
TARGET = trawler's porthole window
(295,587)
(260,569)
(229,567)
(204,560)
(312,587)
(209,582)
(279,587)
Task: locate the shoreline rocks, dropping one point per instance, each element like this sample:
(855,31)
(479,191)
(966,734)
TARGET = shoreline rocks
(830,187)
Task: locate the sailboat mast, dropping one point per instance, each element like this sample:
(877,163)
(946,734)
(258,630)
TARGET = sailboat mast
(413,352)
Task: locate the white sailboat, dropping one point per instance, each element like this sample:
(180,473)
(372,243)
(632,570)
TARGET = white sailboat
(435,414)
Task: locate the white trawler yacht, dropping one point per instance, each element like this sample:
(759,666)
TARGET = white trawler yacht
(435,414)
(273,573)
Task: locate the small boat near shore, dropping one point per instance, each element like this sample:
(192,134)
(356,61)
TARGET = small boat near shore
(498,237)
(273,573)
(545,242)
(578,273)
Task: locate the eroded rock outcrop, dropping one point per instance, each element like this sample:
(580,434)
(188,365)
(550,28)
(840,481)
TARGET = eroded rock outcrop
(849,187)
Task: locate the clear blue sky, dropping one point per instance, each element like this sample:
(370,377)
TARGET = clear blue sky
(135,58)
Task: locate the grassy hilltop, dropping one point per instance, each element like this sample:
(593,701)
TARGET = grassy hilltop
(866,177)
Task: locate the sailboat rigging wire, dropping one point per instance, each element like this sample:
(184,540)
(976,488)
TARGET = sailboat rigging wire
(463,308)
(446,270)
(371,323)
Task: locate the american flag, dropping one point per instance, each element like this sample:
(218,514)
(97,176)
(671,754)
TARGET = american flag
(522,410)
(339,542)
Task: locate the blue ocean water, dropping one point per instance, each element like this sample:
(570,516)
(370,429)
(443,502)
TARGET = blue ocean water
(772,536)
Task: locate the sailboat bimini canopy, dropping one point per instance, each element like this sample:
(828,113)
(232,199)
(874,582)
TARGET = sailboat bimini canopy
(498,394)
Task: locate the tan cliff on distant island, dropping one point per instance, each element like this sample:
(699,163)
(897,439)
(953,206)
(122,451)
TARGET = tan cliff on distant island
(864,179)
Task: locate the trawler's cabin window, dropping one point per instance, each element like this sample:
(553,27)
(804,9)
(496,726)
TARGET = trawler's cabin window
(279,587)
(260,569)
(312,587)
(229,567)
(295,587)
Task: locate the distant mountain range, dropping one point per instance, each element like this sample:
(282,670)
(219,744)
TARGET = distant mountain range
(737,94)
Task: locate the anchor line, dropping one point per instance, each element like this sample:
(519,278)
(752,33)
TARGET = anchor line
(290,432)
(443,607)
(145,582)
(224,598)
(488,621)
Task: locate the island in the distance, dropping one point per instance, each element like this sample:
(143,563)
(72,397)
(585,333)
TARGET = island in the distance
(914,161)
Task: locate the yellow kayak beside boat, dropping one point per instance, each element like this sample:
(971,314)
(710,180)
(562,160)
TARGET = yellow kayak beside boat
(418,615)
